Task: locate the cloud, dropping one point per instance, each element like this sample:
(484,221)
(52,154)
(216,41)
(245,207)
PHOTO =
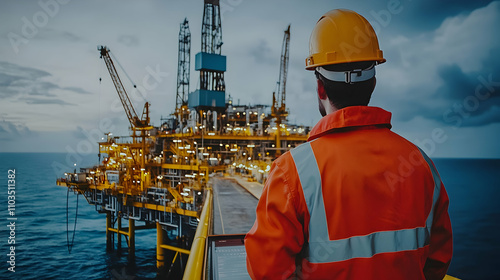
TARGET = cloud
(53,35)
(450,75)
(45,101)
(129,40)
(70,36)
(76,90)
(19,81)
(434,12)
(261,52)
(17,72)
(12,131)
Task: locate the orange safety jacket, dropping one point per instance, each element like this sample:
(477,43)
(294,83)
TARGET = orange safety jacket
(356,201)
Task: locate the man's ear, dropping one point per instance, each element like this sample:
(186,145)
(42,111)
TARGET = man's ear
(321,90)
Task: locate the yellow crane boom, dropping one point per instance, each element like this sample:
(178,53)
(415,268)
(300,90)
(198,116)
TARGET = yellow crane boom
(134,120)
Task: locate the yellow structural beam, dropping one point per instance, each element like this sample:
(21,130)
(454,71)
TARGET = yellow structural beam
(166,209)
(115,230)
(230,137)
(69,184)
(175,249)
(194,266)
(180,166)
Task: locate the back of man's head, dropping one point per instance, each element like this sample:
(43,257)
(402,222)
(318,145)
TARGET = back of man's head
(342,94)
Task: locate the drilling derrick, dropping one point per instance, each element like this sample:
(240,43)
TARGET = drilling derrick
(278,111)
(211,95)
(183,67)
(212,71)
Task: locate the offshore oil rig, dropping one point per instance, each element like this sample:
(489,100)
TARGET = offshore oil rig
(160,177)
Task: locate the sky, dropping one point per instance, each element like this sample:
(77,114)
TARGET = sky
(441,80)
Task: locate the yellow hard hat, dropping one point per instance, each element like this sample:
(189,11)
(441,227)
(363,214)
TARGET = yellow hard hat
(342,36)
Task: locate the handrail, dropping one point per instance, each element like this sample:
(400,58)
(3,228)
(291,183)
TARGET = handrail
(194,266)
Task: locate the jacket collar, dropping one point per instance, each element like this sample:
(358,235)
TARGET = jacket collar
(351,117)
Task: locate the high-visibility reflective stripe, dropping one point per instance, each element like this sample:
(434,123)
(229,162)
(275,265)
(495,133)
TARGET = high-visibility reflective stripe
(437,190)
(320,249)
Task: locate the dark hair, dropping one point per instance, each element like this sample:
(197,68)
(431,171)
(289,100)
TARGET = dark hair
(342,94)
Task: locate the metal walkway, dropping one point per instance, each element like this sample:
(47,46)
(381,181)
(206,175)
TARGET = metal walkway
(234,207)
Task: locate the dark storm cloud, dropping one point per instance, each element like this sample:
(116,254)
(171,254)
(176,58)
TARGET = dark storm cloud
(445,8)
(428,14)
(462,100)
(16,80)
(12,131)
(471,99)
(457,84)
(458,69)
(17,72)
(474,99)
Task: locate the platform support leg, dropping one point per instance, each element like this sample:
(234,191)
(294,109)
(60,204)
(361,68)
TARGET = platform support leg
(109,241)
(160,252)
(131,237)
(118,233)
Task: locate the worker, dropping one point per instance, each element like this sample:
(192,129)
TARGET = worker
(356,201)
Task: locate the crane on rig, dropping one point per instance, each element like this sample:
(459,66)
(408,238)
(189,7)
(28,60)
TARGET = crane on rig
(136,123)
(278,110)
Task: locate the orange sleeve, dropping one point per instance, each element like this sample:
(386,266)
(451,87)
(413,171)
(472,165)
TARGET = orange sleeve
(277,234)
(441,244)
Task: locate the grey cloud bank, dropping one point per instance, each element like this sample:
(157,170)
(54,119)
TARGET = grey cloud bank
(442,69)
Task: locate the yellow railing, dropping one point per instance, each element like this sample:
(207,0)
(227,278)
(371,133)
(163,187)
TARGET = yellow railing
(194,266)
